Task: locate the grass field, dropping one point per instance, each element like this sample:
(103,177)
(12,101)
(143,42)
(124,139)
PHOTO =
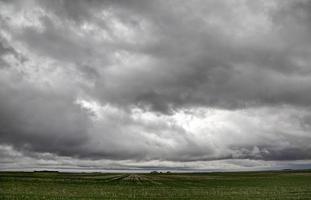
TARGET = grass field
(239,185)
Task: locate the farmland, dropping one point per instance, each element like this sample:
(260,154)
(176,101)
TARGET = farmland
(239,185)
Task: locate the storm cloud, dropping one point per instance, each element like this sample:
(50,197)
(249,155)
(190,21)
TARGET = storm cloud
(145,84)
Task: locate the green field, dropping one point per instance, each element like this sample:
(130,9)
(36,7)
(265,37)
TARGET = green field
(239,185)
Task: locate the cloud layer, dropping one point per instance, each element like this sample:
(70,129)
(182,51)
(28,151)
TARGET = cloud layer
(159,83)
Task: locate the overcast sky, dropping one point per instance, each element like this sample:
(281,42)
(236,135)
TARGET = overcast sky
(172,84)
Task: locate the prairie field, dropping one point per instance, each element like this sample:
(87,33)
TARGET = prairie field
(272,185)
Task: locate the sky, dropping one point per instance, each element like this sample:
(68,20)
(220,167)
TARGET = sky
(180,85)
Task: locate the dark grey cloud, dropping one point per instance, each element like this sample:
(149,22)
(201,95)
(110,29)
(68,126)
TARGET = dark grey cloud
(41,121)
(7,50)
(164,82)
(201,64)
